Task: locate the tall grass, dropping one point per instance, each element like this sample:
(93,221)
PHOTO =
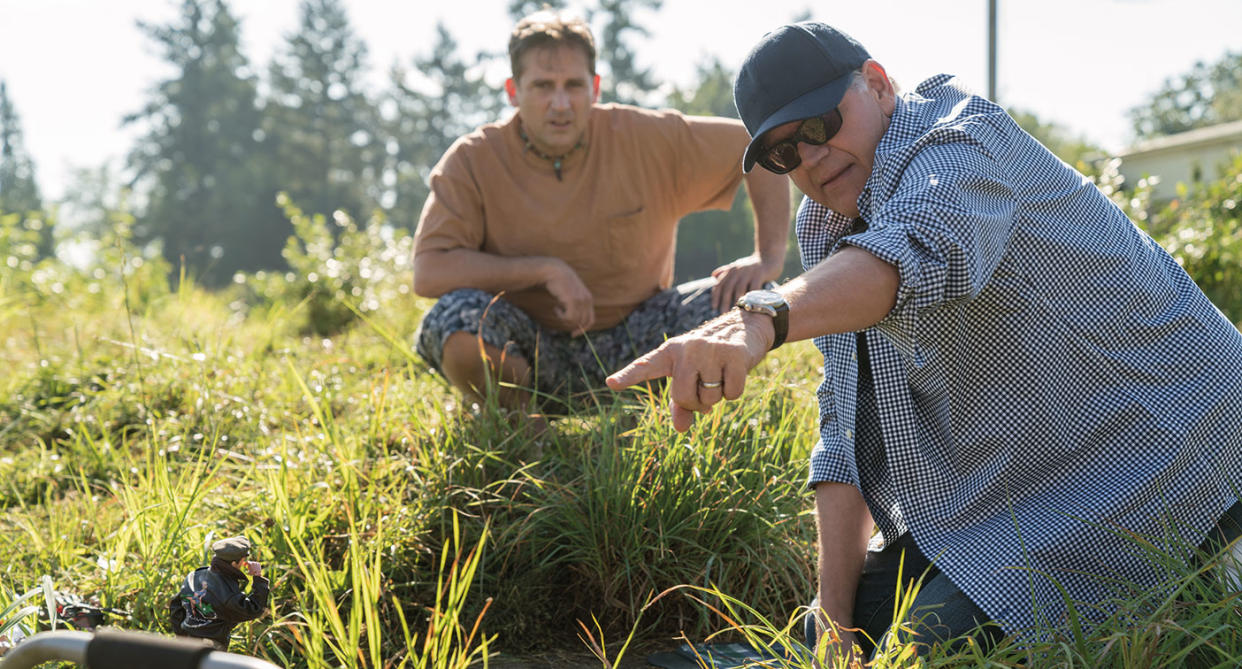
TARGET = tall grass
(137,431)
(138,424)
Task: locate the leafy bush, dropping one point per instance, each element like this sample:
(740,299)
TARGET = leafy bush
(1134,201)
(19,250)
(1202,228)
(336,271)
(113,266)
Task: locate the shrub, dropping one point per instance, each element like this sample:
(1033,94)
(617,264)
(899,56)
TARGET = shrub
(337,270)
(1203,231)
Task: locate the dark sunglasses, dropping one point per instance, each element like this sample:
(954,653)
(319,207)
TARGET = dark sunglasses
(782,157)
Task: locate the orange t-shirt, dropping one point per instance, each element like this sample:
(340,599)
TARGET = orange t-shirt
(614,216)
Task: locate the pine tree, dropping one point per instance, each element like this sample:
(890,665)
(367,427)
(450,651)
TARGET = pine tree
(330,153)
(625,81)
(19,190)
(201,162)
(440,99)
(712,94)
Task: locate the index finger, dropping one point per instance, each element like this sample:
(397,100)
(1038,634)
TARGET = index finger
(653,365)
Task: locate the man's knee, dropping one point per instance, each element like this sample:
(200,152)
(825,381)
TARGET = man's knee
(465,297)
(467,356)
(943,615)
(461,313)
(452,306)
(465,349)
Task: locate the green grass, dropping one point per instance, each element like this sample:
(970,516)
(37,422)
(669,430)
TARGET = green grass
(137,425)
(136,431)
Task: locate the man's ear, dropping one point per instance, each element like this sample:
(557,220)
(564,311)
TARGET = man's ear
(594,89)
(880,85)
(511,89)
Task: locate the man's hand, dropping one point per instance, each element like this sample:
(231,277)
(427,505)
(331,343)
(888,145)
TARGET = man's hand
(576,304)
(740,276)
(831,645)
(254,568)
(706,365)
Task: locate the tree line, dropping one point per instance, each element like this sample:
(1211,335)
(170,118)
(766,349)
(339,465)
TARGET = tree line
(223,136)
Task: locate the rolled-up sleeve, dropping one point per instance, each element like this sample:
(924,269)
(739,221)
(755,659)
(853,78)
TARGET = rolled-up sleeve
(452,216)
(945,229)
(833,462)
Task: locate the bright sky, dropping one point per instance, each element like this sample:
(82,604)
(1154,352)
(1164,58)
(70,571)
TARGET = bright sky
(75,67)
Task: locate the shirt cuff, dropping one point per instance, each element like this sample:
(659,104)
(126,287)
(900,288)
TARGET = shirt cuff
(833,462)
(917,289)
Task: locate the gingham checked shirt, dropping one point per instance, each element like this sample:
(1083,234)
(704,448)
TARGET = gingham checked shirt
(1048,380)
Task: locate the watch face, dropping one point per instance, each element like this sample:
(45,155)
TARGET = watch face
(773,304)
(762,299)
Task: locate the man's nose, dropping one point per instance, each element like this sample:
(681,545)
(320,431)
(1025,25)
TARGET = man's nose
(560,99)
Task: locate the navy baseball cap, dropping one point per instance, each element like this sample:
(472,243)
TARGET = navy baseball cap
(796,71)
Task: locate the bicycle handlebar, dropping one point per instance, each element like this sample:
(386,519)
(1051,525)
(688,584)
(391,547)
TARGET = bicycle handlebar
(47,647)
(114,649)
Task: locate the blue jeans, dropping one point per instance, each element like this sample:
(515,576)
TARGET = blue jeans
(941,612)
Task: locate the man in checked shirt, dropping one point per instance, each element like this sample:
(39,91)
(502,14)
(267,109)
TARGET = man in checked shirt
(1017,381)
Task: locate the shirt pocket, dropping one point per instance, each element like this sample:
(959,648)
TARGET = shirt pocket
(627,240)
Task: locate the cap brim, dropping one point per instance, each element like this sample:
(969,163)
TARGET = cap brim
(814,103)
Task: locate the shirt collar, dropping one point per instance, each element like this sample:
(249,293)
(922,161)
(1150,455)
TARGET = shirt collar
(903,128)
(903,125)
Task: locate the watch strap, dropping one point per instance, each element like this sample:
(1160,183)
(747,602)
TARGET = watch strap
(780,324)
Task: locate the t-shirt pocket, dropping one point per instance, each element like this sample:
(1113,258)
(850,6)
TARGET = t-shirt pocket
(627,240)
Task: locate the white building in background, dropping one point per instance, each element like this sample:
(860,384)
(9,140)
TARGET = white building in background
(1187,157)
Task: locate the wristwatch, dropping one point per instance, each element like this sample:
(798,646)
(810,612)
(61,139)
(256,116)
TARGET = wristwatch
(770,303)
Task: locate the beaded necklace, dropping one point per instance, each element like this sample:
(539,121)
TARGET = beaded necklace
(556,161)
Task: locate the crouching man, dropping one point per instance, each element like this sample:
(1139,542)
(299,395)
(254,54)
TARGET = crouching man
(212,602)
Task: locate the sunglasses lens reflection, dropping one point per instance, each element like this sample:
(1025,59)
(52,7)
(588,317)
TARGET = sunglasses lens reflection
(783,157)
(813,131)
(832,124)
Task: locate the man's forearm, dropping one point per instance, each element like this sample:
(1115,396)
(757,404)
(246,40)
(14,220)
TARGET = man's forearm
(845,527)
(769,197)
(849,291)
(438,272)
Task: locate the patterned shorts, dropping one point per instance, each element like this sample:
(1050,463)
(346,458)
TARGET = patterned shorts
(563,365)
